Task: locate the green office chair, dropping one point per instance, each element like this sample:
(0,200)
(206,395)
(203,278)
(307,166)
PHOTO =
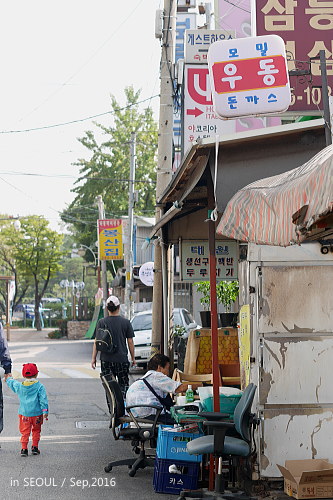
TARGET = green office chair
(220,445)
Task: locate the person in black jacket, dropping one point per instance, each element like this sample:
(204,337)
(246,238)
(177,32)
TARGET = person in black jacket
(116,363)
(6,364)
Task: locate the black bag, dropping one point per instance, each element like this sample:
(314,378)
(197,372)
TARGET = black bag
(105,341)
(166,402)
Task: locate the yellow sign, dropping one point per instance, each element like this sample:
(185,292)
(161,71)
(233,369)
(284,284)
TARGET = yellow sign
(244,345)
(110,239)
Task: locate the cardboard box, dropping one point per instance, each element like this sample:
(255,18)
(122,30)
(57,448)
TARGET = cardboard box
(308,478)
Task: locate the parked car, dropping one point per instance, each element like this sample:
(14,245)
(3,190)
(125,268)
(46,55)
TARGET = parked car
(142,326)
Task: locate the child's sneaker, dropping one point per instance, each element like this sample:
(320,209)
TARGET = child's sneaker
(35,450)
(24,452)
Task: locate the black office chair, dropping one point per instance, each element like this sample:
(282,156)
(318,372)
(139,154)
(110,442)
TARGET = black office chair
(221,445)
(138,434)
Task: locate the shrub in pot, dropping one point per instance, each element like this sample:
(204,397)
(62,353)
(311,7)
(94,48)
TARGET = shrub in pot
(227,293)
(203,287)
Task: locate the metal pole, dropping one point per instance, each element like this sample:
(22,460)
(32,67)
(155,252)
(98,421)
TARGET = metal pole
(129,304)
(164,161)
(166,310)
(213,300)
(209,17)
(7,309)
(324,91)
(101,215)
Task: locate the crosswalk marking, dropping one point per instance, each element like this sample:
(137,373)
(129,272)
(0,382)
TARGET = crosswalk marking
(76,373)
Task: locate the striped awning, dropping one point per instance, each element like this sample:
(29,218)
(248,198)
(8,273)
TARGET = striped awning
(282,210)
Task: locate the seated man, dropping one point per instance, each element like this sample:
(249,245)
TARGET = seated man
(157,377)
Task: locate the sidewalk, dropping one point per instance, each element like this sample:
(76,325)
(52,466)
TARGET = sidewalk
(28,334)
(73,456)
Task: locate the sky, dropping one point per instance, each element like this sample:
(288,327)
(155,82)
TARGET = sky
(60,62)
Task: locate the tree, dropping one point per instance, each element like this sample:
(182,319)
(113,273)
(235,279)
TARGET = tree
(36,251)
(72,269)
(106,171)
(9,266)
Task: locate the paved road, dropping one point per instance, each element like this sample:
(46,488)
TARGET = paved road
(76,441)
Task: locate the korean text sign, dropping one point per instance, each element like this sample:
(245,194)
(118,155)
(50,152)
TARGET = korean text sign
(249,76)
(110,239)
(195,260)
(198,42)
(306,28)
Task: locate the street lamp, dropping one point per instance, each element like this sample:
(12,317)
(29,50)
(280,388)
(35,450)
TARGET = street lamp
(81,253)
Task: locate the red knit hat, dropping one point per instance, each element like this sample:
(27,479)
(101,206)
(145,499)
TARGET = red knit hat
(29,370)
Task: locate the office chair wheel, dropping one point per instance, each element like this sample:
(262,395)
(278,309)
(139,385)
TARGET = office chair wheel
(136,450)
(129,466)
(108,468)
(132,473)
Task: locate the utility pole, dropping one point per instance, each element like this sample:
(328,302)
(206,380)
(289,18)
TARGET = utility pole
(101,215)
(129,303)
(164,162)
(324,93)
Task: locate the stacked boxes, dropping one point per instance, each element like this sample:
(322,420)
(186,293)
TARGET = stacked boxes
(175,470)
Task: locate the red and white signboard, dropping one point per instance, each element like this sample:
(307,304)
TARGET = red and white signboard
(200,120)
(249,76)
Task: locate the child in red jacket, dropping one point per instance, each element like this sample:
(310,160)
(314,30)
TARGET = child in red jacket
(33,407)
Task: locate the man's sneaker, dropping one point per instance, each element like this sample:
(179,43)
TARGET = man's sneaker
(24,452)
(35,450)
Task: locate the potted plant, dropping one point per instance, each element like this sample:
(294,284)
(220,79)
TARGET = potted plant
(203,287)
(227,293)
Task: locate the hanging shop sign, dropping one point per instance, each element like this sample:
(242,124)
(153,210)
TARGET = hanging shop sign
(146,273)
(249,76)
(195,260)
(110,239)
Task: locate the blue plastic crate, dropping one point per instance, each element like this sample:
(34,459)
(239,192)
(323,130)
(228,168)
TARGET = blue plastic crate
(166,482)
(171,445)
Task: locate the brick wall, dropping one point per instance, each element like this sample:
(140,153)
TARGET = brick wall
(77,329)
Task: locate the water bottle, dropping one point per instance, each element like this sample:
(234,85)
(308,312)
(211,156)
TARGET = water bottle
(189,395)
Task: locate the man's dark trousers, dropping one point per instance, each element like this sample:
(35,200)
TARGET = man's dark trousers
(1,407)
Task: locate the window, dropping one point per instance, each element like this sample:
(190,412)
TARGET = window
(142,322)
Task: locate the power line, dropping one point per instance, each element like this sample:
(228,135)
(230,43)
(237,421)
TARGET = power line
(84,64)
(78,120)
(62,176)
(237,6)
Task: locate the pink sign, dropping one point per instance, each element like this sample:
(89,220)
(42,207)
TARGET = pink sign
(306,27)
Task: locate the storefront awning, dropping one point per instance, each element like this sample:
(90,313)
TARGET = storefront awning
(283,209)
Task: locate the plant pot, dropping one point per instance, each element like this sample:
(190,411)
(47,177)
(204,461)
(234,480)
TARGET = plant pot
(229,320)
(206,319)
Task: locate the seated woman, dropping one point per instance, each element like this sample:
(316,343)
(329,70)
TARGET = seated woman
(157,377)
